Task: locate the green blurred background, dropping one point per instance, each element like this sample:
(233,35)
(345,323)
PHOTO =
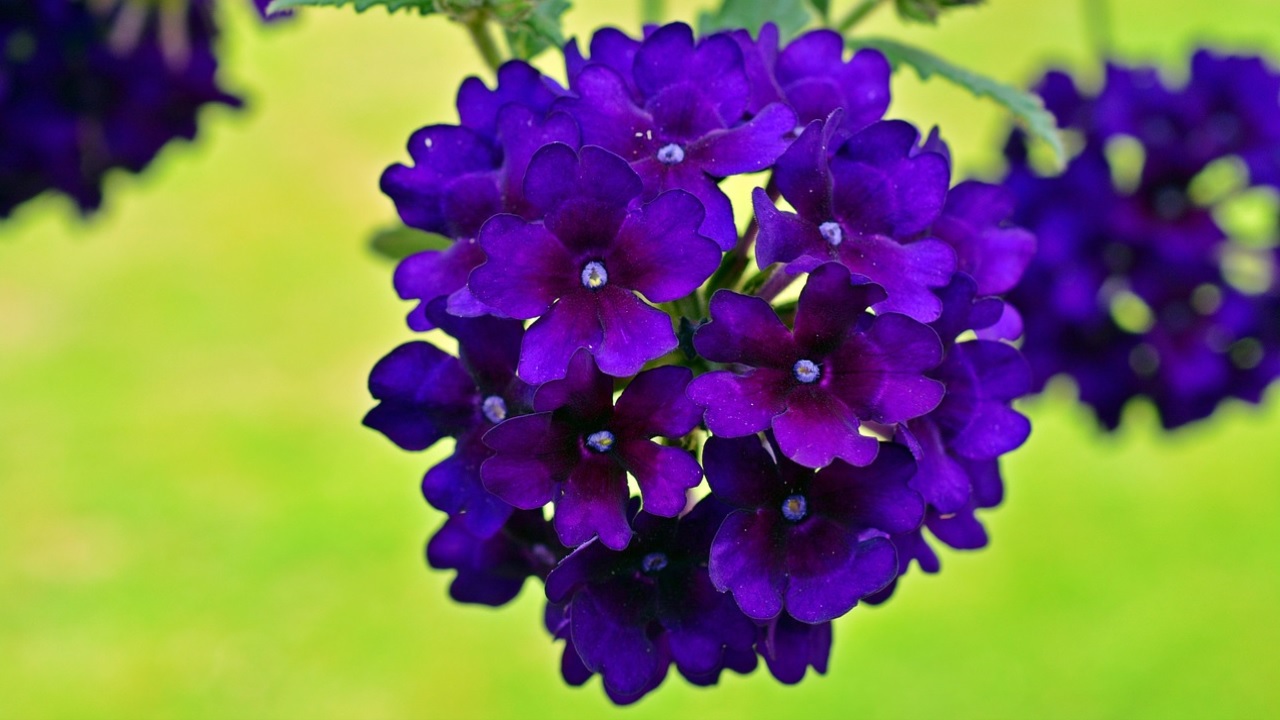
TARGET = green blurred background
(193,524)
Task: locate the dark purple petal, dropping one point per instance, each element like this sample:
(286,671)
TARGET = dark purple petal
(941,481)
(784,236)
(741,471)
(907,272)
(961,531)
(610,47)
(833,570)
(659,252)
(587,564)
(609,640)
(633,333)
(973,222)
(488,347)
(744,329)
(718,225)
(758,58)
(531,458)
(664,474)
(584,391)
(817,428)
(593,502)
(790,647)
(490,572)
(527,268)
(668,57)
(879,373)
(983,377)
(817,81)
(441,154)
(608,115)
(746,148)
(519,83)
(655,403)
(744,561)
(424,394)
(739,405)
(882,187)
(428,275)
(803,177)
(830,307)
(877,496)
(454,486)
(585,200)
(572,324)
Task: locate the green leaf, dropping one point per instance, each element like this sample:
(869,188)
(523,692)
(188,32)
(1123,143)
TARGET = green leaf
(534,29)
(927,11)
(823,7)
(399,242)
(1025,106)
(424,7)
(791,16)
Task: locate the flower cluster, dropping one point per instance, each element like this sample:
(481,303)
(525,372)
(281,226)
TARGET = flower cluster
(614,350)
(1145,292)
(86,87)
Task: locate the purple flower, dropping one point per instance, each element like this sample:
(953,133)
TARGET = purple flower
(974,222)
(426,394)
(975,423)
(812,544)
(85,89)
(492,570)
(791,647)
(577,448)
(816,384)
(578,270)
(1136,297)
(631,613)
(811,75)
(676,109)
(868,206)
(462,175)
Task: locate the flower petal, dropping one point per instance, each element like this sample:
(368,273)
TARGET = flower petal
(745,561)
(741,471)
(738,405)
(551,341)
(817,428)
(744,329)
(659,252)
(527,267)
(632,332)
(664,474)
(655,403)
(593,502)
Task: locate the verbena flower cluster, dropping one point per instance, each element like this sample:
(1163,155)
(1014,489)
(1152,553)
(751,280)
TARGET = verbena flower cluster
(1139,289)
(86,87)
(615,350)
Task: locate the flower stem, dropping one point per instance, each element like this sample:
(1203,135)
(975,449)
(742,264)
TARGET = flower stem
(776,283)
(652,11)
(478,28)
(1097,20)
(857,15)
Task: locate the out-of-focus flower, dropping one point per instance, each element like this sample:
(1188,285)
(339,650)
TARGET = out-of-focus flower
(88,87)
(1137,289)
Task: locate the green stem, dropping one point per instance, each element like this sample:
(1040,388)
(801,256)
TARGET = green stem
(857,15)
(478,28)
(1097,20)
(652,11)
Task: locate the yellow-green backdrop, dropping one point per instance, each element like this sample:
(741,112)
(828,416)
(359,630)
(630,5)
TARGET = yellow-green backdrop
(193,524)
